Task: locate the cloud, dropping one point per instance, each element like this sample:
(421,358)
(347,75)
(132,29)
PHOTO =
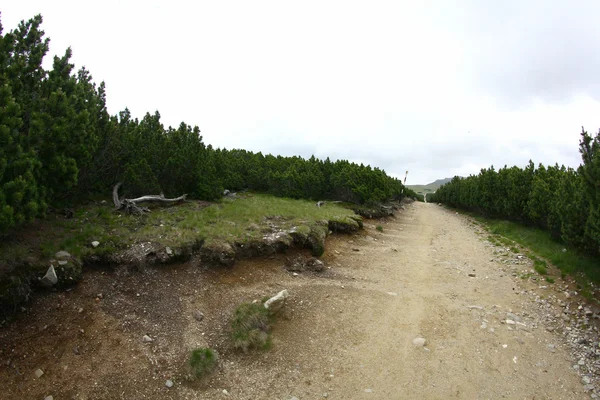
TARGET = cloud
(548,50)
(431,87)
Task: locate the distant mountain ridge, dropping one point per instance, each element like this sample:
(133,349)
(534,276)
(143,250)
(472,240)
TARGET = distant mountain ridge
(430,187)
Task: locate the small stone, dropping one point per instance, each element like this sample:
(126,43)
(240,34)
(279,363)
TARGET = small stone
(225,392)
(513,317)
(355,249)
(50,279)
(504,346)
(49,398)
(62,255)
(419,341)
(472,275)
(586,380)
(198,316)
(147,339)
(392,293)
(510,322)
(276,303)
(368,390)
(38,373)
(169,383)
(168,251)
(294,274)
(80,310)
(95,243)
(475,307)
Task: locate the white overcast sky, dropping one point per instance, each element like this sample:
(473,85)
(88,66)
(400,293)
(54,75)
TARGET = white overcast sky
(437,88)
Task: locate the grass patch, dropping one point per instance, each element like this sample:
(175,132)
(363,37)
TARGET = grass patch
(514,249)
(241,219)
(569,262)
(549,279)
(379,228)
(251,327)
(540,267)
(202,362)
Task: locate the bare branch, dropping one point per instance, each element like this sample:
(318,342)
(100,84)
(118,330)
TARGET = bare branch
(130,205)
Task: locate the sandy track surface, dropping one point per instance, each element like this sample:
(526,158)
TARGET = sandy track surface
(348,332)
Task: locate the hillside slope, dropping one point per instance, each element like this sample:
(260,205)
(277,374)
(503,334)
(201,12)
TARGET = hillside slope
(430,187)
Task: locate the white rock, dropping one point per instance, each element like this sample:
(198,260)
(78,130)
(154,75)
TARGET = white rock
(49,398)
(168,251)
(277,302)
(50,278)
(510,322)
(169,383)
(419,341)
(38,373)
(147,339)
(61,255)
(225,392)
(95,243)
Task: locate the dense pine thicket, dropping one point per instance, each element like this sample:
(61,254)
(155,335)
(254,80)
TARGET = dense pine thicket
(564,201)
(58,144)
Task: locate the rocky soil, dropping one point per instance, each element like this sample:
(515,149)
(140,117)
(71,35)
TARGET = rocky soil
(424,309)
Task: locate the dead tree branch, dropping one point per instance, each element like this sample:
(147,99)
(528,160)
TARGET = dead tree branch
(131,205)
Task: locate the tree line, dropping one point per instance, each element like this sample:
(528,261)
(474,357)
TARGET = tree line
(563,201)
(59,145)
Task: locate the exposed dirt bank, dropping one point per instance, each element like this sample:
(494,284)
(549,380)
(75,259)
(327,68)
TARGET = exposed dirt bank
(348,333)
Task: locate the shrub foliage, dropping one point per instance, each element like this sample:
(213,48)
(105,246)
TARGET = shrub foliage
(563,201)
(58,145)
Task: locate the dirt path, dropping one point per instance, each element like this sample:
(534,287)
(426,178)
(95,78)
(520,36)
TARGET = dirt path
(349,332)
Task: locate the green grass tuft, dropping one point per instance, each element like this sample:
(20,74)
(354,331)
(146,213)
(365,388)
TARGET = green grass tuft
(202,362)
(251,327)
(540,267)
(379,228)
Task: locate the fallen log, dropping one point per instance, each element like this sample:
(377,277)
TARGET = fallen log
(131,205)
